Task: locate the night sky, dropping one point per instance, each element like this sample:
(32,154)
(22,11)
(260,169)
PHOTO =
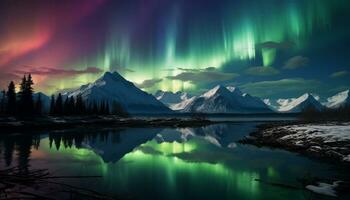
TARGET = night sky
(270,48)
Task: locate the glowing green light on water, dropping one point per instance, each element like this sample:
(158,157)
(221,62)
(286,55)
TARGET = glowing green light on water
(154,167)
(171,147)
(272,173)
(243,181)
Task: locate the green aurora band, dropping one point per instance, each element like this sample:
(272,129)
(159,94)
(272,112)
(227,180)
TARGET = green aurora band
(177,38)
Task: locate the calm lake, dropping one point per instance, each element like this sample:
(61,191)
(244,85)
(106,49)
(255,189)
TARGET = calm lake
(155,163)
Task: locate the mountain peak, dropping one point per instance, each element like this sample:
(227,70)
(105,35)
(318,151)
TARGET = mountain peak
(115,76)
(344,93)
(219,89)
(297,105)
(307,96)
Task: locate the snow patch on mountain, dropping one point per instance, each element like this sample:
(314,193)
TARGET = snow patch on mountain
(171,99)
(339,100)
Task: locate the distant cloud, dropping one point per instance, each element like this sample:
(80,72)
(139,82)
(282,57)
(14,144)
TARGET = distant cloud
(197,70)
(59,72)
(149,83)
(168,69)
(206,75)
(275,45)
(266,88)
(189,69)
(261,71)
(339,74)
(121,69)
(296,62)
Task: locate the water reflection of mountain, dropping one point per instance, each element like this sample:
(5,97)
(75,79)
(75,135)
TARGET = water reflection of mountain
(220,135)
(117,144)
(110,145)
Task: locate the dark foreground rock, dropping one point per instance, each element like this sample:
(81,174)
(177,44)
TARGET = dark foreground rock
(330,141)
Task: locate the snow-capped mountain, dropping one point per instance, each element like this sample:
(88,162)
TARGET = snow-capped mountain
(339,100)
(296,105)
(170,98)
(112,87)
(222,99)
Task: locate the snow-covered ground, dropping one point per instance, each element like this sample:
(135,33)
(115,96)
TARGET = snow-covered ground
(327,140)
(327,132)
(332,139)
(324,188)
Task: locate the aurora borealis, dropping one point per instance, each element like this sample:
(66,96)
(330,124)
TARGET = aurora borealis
(175,45)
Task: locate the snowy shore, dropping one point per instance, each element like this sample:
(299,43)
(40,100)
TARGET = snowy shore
(322,140)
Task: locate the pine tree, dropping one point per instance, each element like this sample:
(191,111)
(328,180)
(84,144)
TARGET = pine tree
(52,105)
(72,106)
(26,102)
(3,103)
(29,95)
(66,109)
(59,105)
(80,105)
(107,108)
(118,110)
(102,108)
(94,108)
(11,99)
(39,106)
(22,96)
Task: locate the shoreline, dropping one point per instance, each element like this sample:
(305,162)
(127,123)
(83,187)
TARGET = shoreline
(10,124)
(327,141)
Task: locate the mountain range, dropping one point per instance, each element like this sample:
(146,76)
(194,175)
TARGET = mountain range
(222,99)
(308,100)
(112,87)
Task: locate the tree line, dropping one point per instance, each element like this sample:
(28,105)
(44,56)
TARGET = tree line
(328,114)
(78,106)
(22,103)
